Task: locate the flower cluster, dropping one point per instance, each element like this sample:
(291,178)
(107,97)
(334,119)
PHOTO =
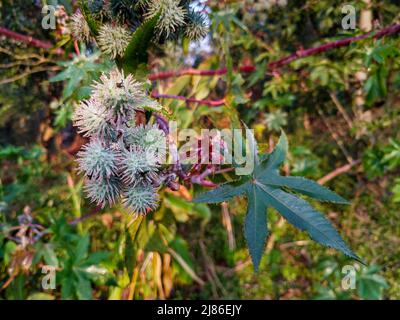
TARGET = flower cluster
(113,40)
(80,28)
(172,15)
(118,19)
(122,159)
(197,27)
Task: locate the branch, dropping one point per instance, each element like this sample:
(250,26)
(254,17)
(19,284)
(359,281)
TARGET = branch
(27,73)
(338,171)
(335,44)
(29,40)
(244,69)
(214,103)
(195,72)
(283,61)
(93,213)
(186,267)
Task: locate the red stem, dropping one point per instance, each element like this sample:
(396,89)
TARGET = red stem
(244,69)
(283,61)
(213,103)
(195,72)
(331,45)
(76,47)
(30,40)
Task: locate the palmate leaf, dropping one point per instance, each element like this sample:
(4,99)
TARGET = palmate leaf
(223,193)
(304,186)
(266,188)
(255,225)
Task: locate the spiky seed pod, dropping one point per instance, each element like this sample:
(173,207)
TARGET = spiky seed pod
(138,164)
(97,161)
(172,15)
(196,28)
(99,10)
(119,94)
(150,137)
(80,28)
(105,193)
(96,5)
(140,199)
(126,11)
(113,40)
(92,118)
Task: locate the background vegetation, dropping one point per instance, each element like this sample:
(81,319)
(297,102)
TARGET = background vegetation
(340,108)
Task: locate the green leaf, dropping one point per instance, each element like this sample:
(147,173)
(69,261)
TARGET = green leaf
(9,248)
(276,120)
(63,75)
(263,189)
(97,257)
(304,186)
(83,287)
(50,257)
(81,250)
(223,193)
(370,285)
(304,217)
(255,225)
(392,154)
(94,28)
(156,243)
(274,160)
(396,191)
(67,287)
(136,53)
(130,258)
(41,296)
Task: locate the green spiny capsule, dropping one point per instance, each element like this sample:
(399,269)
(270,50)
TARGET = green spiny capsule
(140,199)
(97,161)
(80,28)
(92,118)
(113,40)
(196,28)
(138,164)
(105,192)
(172,15)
